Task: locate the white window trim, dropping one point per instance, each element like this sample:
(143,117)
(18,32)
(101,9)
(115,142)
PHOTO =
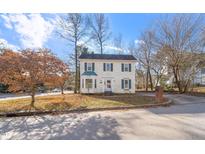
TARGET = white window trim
(126,66)
(126,88)
(89,67)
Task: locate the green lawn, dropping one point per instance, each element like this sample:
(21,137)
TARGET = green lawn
(75,101)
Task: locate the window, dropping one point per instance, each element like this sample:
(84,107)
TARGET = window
(126,67)
(88,83)
(108,84)
(126,84)
(108,67)
(203,71)
(203,79)
(89,66)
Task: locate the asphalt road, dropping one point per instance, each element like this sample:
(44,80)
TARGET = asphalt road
(17,96)
(183,120)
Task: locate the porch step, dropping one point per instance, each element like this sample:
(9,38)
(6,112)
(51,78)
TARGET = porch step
(108,93)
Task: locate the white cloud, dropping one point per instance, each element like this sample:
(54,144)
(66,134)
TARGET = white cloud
(113,48)
(7,22)
(33,29)
(4,43)
(139,42)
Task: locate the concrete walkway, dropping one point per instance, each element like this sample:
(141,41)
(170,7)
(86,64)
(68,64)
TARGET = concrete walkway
(184,120)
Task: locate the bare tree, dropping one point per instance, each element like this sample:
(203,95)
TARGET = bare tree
(99,29)
(73,27)
(81,49)
(179,37)
(159,66)
(144,53)
(131,47)
(118,43)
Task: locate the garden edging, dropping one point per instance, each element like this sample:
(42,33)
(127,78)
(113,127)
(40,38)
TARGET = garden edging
(32,113)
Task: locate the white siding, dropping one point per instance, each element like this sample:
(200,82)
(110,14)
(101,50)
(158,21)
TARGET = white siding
(116,76)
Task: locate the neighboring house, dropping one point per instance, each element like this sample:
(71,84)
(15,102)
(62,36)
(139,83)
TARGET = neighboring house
(200,77)
(100,73)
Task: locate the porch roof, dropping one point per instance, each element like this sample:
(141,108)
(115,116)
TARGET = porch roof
(89,73)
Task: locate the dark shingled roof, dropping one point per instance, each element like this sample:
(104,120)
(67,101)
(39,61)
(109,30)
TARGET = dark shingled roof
(107,56)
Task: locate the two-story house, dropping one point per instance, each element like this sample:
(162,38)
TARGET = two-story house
(100,73)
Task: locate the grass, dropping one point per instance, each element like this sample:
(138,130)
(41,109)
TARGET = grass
(199,89)
(75,101)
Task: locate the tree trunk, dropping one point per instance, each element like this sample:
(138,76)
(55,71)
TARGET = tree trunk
(150,79)
(146,84)
(76,69)
(62,90)
(78,89)
(157,80)
(101,48)
(178,83)
(32,97)
(186,86)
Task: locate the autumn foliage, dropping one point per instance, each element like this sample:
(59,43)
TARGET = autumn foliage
(27,69)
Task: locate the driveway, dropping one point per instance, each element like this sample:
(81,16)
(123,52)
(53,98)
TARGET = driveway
(184,120)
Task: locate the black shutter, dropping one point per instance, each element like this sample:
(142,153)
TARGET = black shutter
(122,84)
(93,67)
(85,67)
(111,67)
(95,83)
(129,67)
(130,84)
(122,67)
(104,67)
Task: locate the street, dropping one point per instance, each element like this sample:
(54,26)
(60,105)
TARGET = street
(16,96)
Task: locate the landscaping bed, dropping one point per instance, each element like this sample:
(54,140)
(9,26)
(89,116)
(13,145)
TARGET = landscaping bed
(75,103)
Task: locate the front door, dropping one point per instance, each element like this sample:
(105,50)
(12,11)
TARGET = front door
(108,85)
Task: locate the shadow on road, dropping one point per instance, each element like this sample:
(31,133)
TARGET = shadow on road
(59,128)
(180,109)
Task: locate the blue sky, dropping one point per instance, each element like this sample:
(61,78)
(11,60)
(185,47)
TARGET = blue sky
(30,30)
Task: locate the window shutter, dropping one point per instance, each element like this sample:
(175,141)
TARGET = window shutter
(122,67)
(82,83)
(111,67)
(93,67)
(104,67)
(122,84)
(85,67)
(130,84)
(95,83)
(129,67)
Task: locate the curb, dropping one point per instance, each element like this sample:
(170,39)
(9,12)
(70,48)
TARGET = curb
(33,113)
